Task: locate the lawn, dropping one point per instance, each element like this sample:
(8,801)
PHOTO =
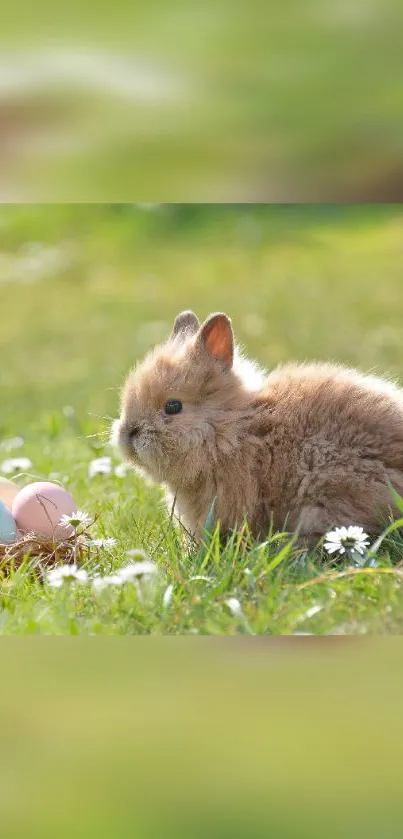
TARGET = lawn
(85,290)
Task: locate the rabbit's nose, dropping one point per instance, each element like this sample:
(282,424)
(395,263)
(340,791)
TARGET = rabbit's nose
(134,431)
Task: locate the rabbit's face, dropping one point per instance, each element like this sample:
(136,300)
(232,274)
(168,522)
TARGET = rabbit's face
(174,401)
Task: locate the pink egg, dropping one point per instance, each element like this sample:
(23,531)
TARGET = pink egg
(38,508)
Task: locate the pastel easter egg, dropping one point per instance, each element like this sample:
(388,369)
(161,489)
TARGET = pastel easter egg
(39,507)
(8,527)
(8,491)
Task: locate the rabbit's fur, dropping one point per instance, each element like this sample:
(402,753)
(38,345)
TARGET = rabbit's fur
(310,447)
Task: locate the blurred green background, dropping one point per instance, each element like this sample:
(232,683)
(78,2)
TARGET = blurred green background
(213,101)
(188,739)
(86,290)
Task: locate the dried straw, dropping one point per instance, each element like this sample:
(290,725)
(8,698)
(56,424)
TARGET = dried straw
(47,550)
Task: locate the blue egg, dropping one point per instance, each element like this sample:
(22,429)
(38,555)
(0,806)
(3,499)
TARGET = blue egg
(8,527)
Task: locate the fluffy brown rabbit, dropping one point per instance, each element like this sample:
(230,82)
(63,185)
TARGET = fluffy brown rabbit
(309,447)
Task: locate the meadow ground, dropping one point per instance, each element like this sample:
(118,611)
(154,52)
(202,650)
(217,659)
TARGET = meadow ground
(85,290)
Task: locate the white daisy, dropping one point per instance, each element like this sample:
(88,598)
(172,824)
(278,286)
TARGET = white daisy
(166,600)
(136,553)
(11,443)
(100,583)
(16,464)
(121,470)
(137,569)
(100,466)
(234,607)
(75,520)
(66,574)
(103,543)
(346,539)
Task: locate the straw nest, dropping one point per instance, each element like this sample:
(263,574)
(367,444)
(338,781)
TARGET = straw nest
(44,551)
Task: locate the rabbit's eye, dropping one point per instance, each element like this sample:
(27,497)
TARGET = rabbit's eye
(174,406)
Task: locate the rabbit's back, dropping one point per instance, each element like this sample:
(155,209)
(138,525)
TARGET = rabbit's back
(335,439)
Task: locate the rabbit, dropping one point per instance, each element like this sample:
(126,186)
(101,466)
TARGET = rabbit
(308,447)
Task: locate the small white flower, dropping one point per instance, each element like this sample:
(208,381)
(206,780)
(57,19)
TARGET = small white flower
(100,466)
(16,464)
(346,539)
(311,612)
(234,607)
(103,543)
(11,443)
(100,583)
(166,600)
(136,553)
(128,574)
(76,520)
(121,470)
(137,569)
(66,574)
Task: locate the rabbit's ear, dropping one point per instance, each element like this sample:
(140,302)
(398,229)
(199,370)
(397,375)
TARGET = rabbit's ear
(217,338)
(186,323)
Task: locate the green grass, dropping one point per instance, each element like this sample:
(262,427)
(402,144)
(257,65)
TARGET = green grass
(299,282)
